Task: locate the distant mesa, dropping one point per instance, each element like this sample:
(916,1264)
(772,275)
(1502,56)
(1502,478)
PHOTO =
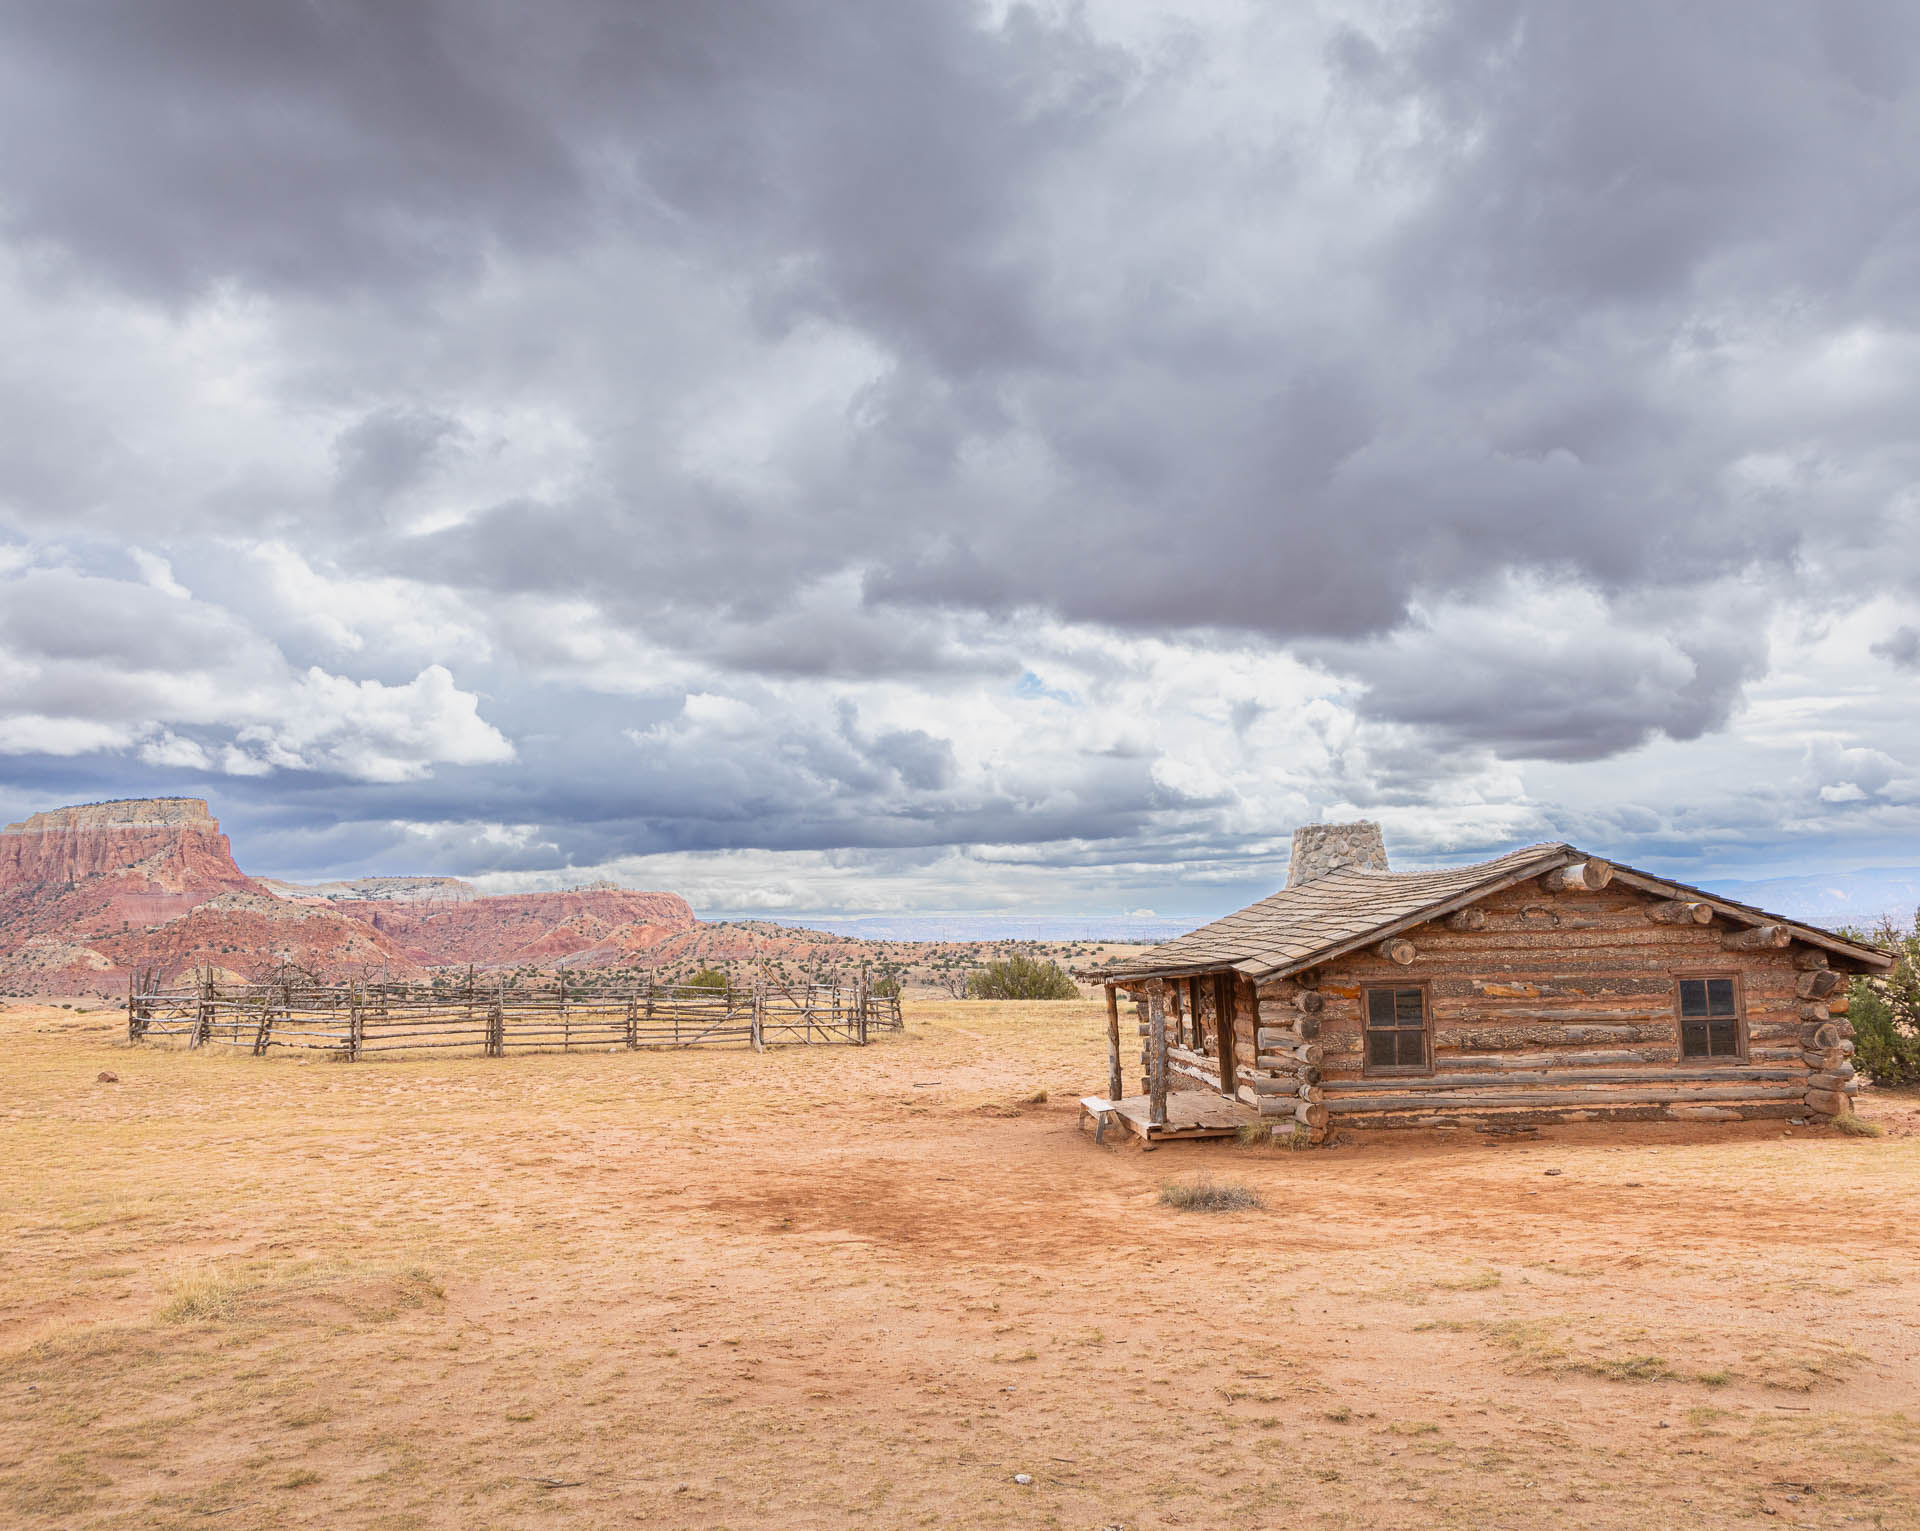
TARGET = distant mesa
(89,892)
(396,890)
(121,813)
(159,848)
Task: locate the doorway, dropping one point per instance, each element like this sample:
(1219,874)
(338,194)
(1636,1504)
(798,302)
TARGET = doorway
(1217,987)
(1223,1020)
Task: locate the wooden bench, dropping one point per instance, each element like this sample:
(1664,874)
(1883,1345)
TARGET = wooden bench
(1100,1109)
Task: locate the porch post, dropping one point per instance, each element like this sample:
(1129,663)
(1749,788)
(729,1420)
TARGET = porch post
(1114,1092)
(1157,1041)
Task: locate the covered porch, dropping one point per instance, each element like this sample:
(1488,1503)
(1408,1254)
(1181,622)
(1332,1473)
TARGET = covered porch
(1188,1114)
(1195,1080)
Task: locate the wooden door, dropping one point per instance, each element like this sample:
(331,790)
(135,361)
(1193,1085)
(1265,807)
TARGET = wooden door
(1223,1024)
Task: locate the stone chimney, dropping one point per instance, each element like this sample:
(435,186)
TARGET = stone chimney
(1322,848)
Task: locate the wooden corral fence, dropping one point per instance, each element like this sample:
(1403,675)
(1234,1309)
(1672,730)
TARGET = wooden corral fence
(295,1012)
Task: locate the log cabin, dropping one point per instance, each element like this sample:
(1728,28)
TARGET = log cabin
(1547,985)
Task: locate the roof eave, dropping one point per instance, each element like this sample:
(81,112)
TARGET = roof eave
(1559,856)
(1564,855)
(1747,914)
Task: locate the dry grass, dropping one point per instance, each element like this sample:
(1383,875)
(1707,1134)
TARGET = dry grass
(1590,1345)
(827,1288)
(1205,1194)
(1562,1347)
(205,1297)
(1855,1126)
(334,1289)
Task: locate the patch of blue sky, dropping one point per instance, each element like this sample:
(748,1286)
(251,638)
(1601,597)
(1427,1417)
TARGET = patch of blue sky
(1031,685)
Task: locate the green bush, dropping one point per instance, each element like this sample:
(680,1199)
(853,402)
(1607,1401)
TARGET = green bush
(1021,978)
(1886,1011)
(708,978)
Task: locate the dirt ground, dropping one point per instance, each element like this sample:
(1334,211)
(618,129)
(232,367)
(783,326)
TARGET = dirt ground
(868,1288)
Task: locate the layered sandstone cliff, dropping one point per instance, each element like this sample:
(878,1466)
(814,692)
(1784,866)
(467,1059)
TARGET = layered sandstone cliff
(89,893)
(593,927)
(153,846)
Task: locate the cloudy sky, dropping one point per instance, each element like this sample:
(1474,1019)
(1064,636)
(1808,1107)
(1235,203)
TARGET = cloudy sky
(919,455)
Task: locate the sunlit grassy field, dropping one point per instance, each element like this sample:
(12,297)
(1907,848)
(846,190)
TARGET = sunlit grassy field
(870,1287)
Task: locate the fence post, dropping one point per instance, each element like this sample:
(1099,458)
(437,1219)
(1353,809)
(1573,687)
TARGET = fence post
(356,1032)
(1157,1054)
(203,1011)
(860,999)
(757,1030)
(264,1031)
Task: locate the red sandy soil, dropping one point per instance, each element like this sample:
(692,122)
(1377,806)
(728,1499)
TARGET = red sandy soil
(832,1287)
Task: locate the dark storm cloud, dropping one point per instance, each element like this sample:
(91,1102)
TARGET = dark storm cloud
(1527,298)
(388,451)
(880,164)
(1619,155)
(1508,407)
(595,796)
(350,142)
(1901,648)
(315,146)
(1602,695)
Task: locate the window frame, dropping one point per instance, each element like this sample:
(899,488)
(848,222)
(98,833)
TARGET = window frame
(1740,1040)
(1371,1070)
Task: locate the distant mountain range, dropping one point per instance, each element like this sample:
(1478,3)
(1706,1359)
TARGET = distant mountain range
(1127,929)
(1860,898)
(93,894)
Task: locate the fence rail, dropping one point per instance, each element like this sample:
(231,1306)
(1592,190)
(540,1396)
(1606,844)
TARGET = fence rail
(294,1012)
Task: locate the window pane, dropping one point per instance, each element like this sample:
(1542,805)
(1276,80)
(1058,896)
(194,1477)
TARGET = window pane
(1722,1040)
(1719,996)
(1693,1039)
(1396,1028)
(1693,996)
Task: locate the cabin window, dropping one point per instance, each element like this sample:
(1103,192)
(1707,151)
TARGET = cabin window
(1709,1018)
(1397,1029)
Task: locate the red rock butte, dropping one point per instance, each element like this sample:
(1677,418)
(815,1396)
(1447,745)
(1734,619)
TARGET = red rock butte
(89,893)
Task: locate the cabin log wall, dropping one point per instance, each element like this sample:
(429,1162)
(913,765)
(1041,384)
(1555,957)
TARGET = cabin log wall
(1562,1006)
(1544,1005)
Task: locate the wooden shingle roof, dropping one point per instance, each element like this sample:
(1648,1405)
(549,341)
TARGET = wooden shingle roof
(1334,914)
